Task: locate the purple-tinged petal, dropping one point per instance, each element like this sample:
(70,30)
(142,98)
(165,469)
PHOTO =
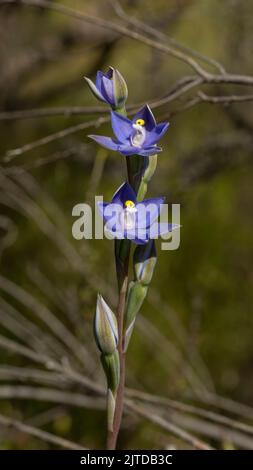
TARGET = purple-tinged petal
(148,151)
(158,229)
(146,114)
(109,72)
(95,90)
(154,136)
(122,126)
(123,194)
(107,90)
(99,77)
(106,142)
(102,209)
(148,211)
(137,235)
(128,150)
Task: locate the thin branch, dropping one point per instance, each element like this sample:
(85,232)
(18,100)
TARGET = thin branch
(11,154)
(65,111)
(186,408)
(43,435)
(146,28)
(50,395)
(172,428)
(224,99)
(113,27)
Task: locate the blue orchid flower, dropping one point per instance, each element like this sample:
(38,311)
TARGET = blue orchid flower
(134,137)
(110,87)
(137,221)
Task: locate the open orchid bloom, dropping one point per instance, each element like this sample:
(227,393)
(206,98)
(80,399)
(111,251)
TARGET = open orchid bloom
(134,137)
(109,87)
(137,221)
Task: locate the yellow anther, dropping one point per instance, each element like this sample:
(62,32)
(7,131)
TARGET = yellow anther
(129,204)
(140,122)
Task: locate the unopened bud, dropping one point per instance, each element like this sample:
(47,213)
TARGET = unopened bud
(105,327)
(111,366)
(136,295)
(120,90)
(144,262)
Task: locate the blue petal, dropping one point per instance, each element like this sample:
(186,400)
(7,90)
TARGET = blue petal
(122,127)
(156,230)
(107,90)
(101,207)
(94,89)
(146,114)
(129,150)
(153,137)
(99,79)
(106,142)
(148,211)
(147,151)
(109,72)
(123,194)
(138,236)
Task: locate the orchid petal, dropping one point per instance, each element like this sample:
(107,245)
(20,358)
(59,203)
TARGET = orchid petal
(122,126)
(123,194)
(156,134)
(106,142)
(107,90)
(148,211)
(146,114)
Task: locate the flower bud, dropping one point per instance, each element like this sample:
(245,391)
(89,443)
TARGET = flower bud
(111,366)
(148,169)
(120,90)
(136,295)
(110,87)
(94,90)
(105,327)
(144,262)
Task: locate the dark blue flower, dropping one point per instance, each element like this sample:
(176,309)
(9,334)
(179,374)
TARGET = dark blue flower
(126,218)
(136,137)
(110,87)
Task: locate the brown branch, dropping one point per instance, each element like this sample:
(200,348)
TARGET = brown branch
(11,423)
(65,111)
(11,154)
(146,28)
(172,428)
(224,99)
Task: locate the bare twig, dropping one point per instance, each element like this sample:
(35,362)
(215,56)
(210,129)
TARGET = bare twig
(172,428)
(146,28)
(224,99)
(11,423)
(52,137)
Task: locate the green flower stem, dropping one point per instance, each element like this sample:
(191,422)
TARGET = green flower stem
(111,366)
(122,253)
(144,262)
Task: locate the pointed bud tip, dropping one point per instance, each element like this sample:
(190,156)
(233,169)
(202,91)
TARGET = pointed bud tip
(105,327)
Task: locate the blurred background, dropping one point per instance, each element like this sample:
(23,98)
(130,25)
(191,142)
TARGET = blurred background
(189,365)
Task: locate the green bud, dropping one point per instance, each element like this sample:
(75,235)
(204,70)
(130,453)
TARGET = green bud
(146,173)
(128,335)
(105,327)
(144,262)
(111,366)
(110,409)
(136,295)
(120,90)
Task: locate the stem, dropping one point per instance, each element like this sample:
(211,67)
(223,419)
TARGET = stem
(122,271)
